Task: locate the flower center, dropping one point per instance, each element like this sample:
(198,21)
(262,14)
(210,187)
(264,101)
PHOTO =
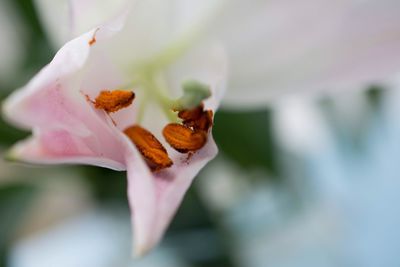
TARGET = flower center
(189,136)
(188,130)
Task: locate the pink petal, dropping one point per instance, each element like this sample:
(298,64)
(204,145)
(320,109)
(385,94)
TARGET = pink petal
(66,128)
(60,146)
(154,198)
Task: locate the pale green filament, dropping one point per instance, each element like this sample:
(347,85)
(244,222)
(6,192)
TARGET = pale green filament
(155,88)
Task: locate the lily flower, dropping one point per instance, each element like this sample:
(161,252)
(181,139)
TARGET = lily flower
(112,96)
(94,105)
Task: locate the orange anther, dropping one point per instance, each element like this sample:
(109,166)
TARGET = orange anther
(198,118)
(192,114)
(112,101)
(204,123)
(184,139)
(151,149)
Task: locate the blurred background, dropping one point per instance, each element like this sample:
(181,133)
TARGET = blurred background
(309,181)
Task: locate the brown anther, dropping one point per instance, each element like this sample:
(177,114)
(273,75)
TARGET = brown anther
(112,101)
(197,118)
(151,149)
(92,41)
(183,139)
(205,122)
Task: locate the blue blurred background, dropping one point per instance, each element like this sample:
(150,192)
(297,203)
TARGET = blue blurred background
(309,181)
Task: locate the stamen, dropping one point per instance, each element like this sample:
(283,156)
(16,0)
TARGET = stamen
(112,101)
(151,149)
(183,139)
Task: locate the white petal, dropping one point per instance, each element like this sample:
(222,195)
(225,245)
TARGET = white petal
(206,63)
(154,25)
(67,19)
(276,47)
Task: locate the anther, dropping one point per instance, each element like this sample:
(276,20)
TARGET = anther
(152,150)
(191,114)
(183,139)
(197,118)
(112,101)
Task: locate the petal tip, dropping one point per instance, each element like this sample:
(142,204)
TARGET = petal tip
(10,107)
(144,245)
(5,108)
(141,250)
(11,155)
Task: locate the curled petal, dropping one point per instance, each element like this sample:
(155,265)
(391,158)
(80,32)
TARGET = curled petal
(154,198)
(53,105)
(60,146)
